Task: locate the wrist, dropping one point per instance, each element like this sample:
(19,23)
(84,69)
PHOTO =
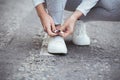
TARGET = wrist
(77,14)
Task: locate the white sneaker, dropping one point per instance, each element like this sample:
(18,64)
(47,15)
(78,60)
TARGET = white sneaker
(57,45)
(80,36)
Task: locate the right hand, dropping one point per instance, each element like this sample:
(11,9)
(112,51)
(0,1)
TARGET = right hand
(48,24)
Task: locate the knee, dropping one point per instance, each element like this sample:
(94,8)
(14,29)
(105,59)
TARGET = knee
(109,5)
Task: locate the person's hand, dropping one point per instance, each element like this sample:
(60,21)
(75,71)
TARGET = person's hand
(46,20)
(68,27)
(48,24)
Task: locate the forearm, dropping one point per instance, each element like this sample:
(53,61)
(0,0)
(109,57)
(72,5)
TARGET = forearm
(41,10)
(76,15)
(39,5)
(84,8)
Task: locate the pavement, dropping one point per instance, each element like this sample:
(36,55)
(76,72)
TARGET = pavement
(22,37)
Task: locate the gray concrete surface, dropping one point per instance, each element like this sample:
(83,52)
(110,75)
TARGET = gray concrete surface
(20,44)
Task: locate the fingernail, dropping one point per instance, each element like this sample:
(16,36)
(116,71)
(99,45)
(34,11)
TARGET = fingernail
(61,32)
(57,31)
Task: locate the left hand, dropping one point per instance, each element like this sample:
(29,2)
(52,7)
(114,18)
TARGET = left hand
(68,27)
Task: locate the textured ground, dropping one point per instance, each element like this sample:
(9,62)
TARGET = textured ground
(20,44)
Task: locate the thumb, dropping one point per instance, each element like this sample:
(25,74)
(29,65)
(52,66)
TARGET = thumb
(62,31)
(63,27)
(53,27)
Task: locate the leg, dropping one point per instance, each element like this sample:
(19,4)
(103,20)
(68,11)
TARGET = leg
(79,36)
(71,5)
(104,10)
(55,9)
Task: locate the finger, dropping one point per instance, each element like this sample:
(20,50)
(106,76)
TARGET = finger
(53,27)
(66,34)
(45,29)
(61,33)
(58,26)
(50,33)
(62,28)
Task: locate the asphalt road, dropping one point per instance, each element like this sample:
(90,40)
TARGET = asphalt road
(20,44)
